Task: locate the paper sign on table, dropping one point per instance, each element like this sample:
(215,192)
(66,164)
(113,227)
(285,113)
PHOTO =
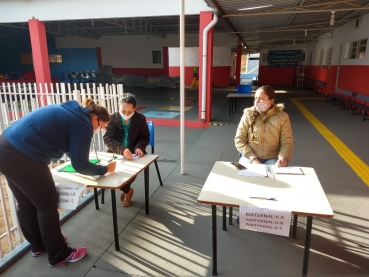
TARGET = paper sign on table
(69,195)
(265,220)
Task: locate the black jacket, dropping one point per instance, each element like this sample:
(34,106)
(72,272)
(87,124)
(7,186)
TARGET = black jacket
(138,134)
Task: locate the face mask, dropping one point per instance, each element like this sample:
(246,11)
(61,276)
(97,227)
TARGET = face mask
(97,130)
(126,117)
(262,107)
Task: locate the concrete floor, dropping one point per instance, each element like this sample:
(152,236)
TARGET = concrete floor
(175,239)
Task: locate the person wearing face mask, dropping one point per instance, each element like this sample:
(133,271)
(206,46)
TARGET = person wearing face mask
(26,149)
(264,134)
(127,134)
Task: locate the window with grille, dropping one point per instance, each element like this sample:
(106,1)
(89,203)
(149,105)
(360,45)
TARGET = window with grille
(321,56)
(357,49)
(328,59)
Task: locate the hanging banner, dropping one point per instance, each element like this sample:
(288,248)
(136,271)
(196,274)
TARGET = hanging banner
(283,58)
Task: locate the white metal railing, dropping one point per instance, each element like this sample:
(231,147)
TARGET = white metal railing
(18,100)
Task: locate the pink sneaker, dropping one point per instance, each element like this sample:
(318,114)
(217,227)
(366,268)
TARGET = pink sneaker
(40,253)
(76,255)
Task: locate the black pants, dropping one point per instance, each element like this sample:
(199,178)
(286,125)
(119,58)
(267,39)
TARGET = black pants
(127,186)
(34,189)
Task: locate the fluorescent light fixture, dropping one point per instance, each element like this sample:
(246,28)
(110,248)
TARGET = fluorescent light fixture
(254,8)
(332,19)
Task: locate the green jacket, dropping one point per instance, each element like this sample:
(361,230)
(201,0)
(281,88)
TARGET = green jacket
(271,137)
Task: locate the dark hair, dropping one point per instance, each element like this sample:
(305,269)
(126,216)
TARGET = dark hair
(269,91)
(96,109)
(129,98)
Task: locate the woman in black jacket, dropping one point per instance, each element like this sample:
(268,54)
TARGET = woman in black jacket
(127,134)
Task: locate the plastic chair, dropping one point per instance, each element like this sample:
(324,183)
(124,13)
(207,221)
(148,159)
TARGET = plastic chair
(150,124)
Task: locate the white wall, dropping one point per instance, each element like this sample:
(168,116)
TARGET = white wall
(222,56)
(135,51)
(52,10)
(342,36)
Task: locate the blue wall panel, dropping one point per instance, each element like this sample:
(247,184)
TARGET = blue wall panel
(14,41)
(73,59)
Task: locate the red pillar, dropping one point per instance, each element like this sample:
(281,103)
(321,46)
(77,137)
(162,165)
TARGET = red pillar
(238,65)
(205,19)
(166,61)
(40,53)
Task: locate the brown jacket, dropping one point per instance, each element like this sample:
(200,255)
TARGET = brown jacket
(272,135)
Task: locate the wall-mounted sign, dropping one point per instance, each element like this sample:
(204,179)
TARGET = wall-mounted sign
(282,58)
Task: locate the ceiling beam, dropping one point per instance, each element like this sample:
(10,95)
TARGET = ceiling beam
(57,28)
(293,11)
(140,25)
(229,26)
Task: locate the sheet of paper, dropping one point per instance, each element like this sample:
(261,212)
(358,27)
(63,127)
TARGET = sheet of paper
(287,170)
(69,195)
(253,170)
(265,220)
(134,157)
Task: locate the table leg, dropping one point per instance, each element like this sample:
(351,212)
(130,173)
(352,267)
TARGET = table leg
(214,237)
(146,176)
(96,199)
(224,218)
(295,218)
(230,216)
(115,223)
(305,264)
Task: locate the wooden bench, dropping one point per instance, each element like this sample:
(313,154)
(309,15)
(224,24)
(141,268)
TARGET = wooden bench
(359,103)
(342,96)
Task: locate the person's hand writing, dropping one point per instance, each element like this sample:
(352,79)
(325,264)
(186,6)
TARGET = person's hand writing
(111,167)
(256,161)
(281,163)
(139,152)
(127,154)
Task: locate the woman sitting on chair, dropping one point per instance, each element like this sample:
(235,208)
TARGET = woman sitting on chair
(127,134)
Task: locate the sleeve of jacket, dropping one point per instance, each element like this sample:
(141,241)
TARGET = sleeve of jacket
(241,138)
(80,141)
(144,135)
(110,138)
(286,139)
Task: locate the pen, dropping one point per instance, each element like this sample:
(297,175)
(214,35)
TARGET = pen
(264,198)
(114,157)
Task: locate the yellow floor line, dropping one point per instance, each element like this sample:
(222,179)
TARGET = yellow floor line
(357,165)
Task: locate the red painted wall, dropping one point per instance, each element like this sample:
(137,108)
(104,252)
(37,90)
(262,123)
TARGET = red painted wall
(327,75)
(174,71)
(354,78)
(220,75)
(276,76)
